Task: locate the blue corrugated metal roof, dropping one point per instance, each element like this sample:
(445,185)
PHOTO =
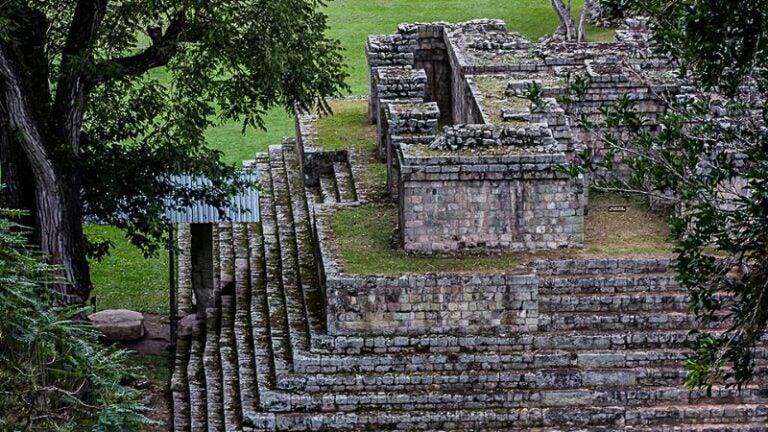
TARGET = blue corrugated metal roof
(244,208)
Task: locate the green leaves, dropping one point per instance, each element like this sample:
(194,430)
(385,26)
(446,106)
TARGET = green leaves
(54,375)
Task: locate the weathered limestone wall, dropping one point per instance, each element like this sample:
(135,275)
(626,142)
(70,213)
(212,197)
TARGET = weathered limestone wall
(431,304)
(431,55)
(452,204)
(394,85)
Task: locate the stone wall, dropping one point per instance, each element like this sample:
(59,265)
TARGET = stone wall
(455,305)
(464,203)
(406,123)
(419,304)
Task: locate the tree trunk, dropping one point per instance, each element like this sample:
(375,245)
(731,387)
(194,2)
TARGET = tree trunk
(583,20)
(566,21)
(59,222)
(57,183)
(18,187)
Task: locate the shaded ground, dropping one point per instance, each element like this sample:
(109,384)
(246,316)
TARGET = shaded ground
(152,355)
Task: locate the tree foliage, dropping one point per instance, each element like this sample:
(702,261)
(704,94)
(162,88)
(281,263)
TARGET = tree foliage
(706,156)
(89,130)
(54,375)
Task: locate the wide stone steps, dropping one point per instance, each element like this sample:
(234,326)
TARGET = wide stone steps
(500,398)
(412,420)
(498,343)
(262,360)
(551,378)
(613,284)
(610,322)
(615,303)
(669,415)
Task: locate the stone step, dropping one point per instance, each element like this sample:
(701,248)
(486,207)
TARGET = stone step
(229,366)
(670,415)
(481,398)
(657,301)
(212,368)
(310,285)
(179,386)
(491,362)
(586,340)
(540,378)
(621,283)
(612,322)
(603,266)
(328,191)
(344,183)
(276,315)
(243,335)
(292,294)
(595,419)
(198,410)
(264,359)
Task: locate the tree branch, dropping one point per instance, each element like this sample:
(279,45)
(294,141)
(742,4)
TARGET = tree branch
(78,50)
(156,55)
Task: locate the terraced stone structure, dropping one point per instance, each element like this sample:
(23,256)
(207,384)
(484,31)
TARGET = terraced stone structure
(491,181)
(291,341)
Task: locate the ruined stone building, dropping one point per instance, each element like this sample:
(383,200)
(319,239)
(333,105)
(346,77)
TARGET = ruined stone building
(298,343)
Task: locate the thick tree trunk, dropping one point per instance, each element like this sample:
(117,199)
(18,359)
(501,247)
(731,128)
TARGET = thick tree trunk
(57,184)
(59,221)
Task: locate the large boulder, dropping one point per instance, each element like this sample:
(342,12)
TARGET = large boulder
(119,324)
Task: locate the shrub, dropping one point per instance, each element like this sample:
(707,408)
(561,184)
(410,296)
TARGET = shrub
(54,375)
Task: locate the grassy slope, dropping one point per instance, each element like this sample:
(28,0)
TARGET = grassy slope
(126,279)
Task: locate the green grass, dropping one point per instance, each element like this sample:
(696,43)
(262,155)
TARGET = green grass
(347,128)
(125,279)
(366,239)
(365,236)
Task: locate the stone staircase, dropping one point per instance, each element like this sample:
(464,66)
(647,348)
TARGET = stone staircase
(608,356)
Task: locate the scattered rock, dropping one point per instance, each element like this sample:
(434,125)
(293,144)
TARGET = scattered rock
(119,324)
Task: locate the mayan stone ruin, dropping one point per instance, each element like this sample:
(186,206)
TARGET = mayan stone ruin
(469,128)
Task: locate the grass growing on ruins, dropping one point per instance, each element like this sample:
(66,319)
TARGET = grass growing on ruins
(365,236)
(347,128)
(127,280)
(636,232)
(366,240)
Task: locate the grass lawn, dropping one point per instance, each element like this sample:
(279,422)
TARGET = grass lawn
(365,236)
(125,279)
